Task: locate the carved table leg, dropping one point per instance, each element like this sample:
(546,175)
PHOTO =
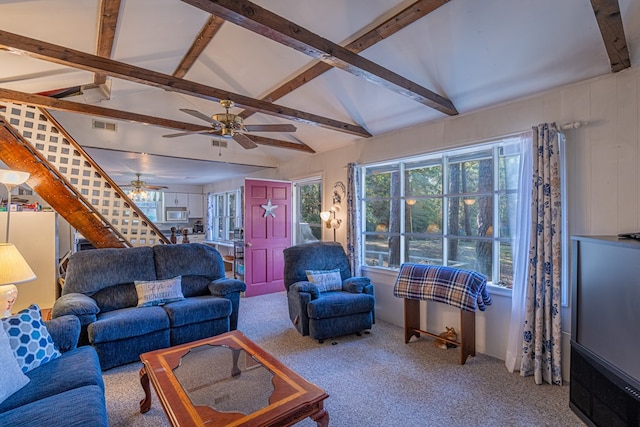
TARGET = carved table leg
(321,418)
(145,404)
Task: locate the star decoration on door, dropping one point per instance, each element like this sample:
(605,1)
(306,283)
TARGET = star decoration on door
(269,208)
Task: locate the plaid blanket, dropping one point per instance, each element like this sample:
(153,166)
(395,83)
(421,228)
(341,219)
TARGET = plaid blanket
(464,289)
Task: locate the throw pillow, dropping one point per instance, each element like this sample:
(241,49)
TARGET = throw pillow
(13,379)
(325,280)
(29,338)
(159,292)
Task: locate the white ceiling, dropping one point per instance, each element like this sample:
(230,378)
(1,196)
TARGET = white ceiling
(475,53)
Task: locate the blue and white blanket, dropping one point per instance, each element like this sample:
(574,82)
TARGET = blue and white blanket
(461,288)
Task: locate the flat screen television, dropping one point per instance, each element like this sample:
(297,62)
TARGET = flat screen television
(606,309)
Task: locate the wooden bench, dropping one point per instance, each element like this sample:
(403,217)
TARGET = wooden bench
(464,289)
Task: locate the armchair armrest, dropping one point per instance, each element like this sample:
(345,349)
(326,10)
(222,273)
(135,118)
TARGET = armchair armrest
(356,285)
(223,286)
(65,332)
(307,287)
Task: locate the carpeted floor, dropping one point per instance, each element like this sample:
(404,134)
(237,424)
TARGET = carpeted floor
(375,379)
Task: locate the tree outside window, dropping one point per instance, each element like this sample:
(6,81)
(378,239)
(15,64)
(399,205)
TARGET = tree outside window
(454,208)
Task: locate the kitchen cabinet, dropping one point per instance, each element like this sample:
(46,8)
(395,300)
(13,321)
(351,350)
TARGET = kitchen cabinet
(195,205)
(176,200)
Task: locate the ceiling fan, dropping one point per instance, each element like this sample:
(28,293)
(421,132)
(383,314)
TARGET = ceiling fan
(230,125)
(139,188)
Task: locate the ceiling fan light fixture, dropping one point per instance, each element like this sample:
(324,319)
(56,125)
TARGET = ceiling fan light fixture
(138,194)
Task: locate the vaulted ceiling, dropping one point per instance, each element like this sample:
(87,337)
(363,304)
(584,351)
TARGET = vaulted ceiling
(340,71)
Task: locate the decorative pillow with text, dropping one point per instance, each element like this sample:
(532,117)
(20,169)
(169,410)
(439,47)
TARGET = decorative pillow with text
(159,292)
(325,280)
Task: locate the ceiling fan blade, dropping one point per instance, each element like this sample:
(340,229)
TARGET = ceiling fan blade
(244,141)
(174,135)
(271,128)
(201,116)
(155,187)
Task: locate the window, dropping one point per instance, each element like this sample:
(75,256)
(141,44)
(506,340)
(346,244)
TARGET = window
(454,208)
(224,215)
(308,207)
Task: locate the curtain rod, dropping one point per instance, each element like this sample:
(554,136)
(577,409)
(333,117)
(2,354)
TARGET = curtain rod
(573,125)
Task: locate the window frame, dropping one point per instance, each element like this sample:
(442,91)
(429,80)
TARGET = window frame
(223,213)
(297,224)
(440,159)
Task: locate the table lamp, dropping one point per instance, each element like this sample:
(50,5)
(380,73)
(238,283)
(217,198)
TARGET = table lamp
(10,179)
(13,269)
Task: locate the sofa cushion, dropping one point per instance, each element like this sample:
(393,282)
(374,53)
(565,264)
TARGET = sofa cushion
(29,338)
(73,369)
(90,271)
(197,309)
(126,323)
(332,304)
(197,263)
(13,379)
(159,292)
(81,407)
(325,280)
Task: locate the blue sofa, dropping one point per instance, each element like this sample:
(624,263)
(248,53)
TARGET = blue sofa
(66,391)
(100,289)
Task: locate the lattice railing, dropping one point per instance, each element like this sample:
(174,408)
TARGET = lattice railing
(66,156)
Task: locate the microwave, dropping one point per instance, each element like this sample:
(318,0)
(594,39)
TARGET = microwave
(176,214)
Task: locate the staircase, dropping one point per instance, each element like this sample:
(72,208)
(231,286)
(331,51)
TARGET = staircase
(66,177)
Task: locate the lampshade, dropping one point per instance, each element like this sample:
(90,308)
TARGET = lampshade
(13,267)
(325,216)
(11,178)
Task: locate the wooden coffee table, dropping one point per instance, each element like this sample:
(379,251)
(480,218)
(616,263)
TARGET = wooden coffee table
(228,380)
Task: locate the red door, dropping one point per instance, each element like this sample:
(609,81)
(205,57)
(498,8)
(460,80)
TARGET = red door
(267,231)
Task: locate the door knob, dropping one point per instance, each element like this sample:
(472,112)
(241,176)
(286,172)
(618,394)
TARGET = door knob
(248,244)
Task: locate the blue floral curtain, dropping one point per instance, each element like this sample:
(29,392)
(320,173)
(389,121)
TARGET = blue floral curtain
(541,352)
(353,225)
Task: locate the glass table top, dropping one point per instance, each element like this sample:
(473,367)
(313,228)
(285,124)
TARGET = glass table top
(224,379)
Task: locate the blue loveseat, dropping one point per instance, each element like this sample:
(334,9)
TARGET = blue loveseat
(100,289)
(66,391)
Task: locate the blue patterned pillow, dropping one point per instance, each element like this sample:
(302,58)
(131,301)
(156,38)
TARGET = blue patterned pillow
(29,338)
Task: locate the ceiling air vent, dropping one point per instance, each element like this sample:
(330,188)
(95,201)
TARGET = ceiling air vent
(219,143)
(97,124)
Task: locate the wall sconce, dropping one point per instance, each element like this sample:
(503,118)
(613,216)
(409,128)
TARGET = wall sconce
(469,202)
(330,220)
(411,202)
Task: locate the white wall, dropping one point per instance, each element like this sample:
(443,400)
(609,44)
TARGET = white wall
(603,177)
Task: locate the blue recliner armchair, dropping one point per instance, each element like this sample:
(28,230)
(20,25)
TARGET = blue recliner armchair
(319,309)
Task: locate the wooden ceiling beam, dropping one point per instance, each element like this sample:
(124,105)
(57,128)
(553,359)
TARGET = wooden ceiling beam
(107,25)
(400,20)
(203,38)
(299,146)
(94,110)
(51,103)
(73,58)
(261,21)
(610,22)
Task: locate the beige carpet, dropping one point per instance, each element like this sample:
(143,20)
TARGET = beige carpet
(375,379)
